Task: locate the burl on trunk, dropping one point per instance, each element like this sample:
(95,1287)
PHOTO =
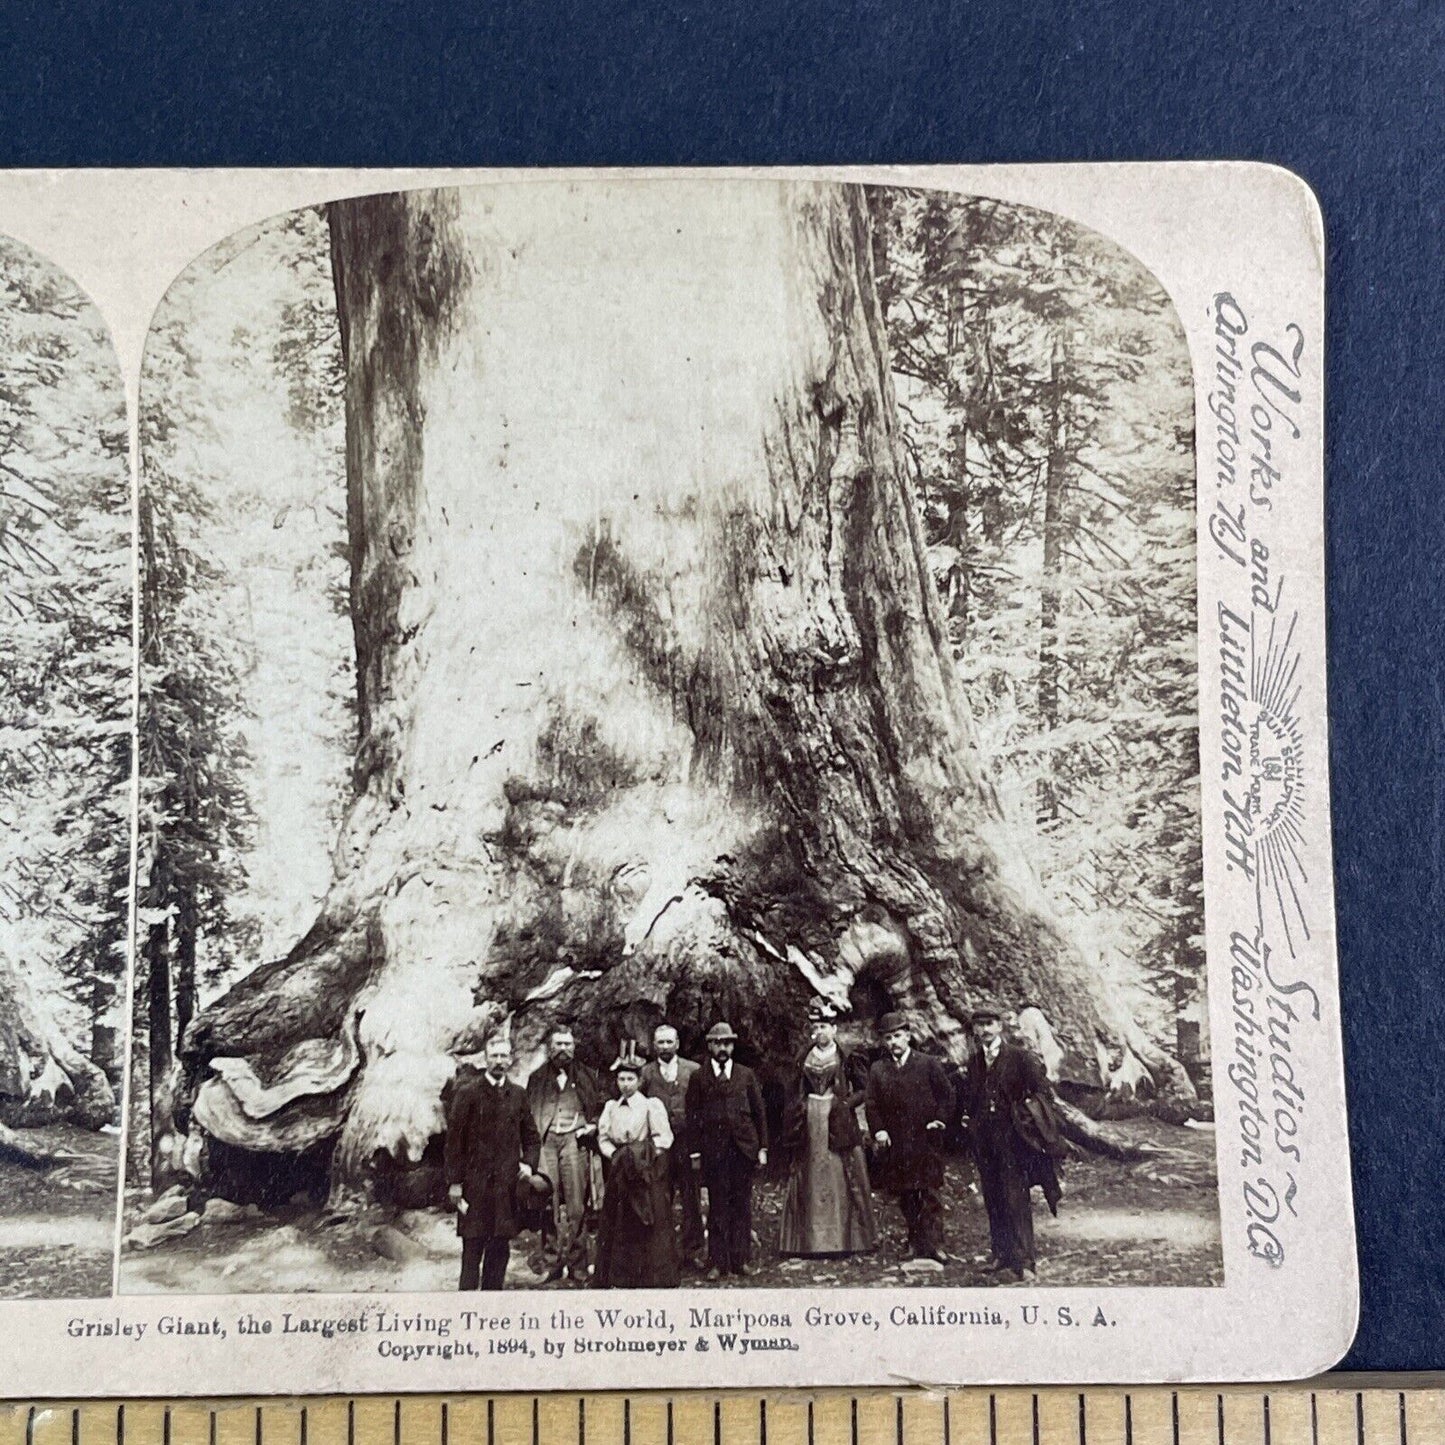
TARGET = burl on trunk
(658,714)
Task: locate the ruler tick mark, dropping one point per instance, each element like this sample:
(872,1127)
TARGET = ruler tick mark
(1359,1417)
(1404,1428)
(301,1429)
(1174,1413)
(762,1422)
(1314,1419)
(1128,1421)
(536,1421)
(898,1418)
(992,1420)
(1083,1421)
(1219,1409)
(30,1426)
(1036,1417)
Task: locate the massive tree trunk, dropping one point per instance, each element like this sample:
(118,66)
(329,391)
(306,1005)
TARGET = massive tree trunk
(658,714)
(43,1078)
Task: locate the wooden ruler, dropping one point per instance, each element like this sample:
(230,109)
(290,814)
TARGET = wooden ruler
(1337,1411)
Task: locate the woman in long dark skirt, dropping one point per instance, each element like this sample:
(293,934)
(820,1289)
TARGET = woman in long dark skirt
(636,1246)
(828,1209)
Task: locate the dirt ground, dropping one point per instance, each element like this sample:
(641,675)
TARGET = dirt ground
(57,1225)
(1154,1223)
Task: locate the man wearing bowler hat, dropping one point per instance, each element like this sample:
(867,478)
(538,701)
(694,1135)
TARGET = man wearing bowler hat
(908,1103)
(1014,1135)
(729,1140)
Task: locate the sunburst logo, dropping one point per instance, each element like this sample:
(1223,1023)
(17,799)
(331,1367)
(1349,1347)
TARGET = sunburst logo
(1276,796)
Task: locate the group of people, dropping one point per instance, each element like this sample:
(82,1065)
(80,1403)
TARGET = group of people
(574,1152)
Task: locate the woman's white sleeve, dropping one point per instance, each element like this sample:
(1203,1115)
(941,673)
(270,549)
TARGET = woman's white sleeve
(661,1129)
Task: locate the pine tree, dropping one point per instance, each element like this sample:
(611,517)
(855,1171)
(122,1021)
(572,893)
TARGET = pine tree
(1046,402)
(65,696)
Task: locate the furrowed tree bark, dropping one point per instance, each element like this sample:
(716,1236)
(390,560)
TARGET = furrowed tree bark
(1055,469)
(657,709)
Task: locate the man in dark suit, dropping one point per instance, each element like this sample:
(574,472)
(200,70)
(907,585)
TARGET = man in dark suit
(566,1099)
(1007,1091)
(666,1077)
(729,1133)
(491,1143)
(908,1102)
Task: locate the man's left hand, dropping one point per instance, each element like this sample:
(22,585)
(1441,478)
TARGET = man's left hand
(524,1170)
(762,1157)
(935,1124)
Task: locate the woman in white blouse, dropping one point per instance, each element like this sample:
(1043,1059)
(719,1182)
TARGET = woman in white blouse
(636,1246)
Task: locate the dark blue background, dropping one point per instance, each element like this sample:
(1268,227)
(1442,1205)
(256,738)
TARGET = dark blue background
(1348,94)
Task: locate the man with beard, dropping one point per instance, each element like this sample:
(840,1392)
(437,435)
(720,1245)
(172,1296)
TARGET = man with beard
(729,1133)
(666,1077)
(491,1142)
(908,1102)
(566,1099)
(1012,1128)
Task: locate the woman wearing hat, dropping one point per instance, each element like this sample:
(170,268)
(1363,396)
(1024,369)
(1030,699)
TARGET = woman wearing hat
(828,1209)
(636,1248)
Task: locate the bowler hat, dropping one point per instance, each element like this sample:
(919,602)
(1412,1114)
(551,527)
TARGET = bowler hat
(892,1023)
(721,1031)
(530,1196)
(985,1015)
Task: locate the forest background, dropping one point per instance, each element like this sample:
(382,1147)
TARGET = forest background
(66,688)
(1045,402)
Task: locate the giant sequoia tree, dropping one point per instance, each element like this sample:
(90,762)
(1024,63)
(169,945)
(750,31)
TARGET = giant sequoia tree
(65,754)
(657,708)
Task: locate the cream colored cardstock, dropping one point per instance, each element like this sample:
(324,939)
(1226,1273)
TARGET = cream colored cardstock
(1238,251)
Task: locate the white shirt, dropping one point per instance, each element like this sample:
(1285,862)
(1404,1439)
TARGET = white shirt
(629,1121)
(907,1054)
(667,1068)
(990,1050)
(722,1071)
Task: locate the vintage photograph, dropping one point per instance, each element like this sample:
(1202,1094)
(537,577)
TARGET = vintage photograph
(668,752)
(65,781)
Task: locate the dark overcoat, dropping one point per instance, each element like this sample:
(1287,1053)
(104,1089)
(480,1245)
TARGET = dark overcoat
(490,1131)
(726,1112)
(902,1099)
(1010,1116)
